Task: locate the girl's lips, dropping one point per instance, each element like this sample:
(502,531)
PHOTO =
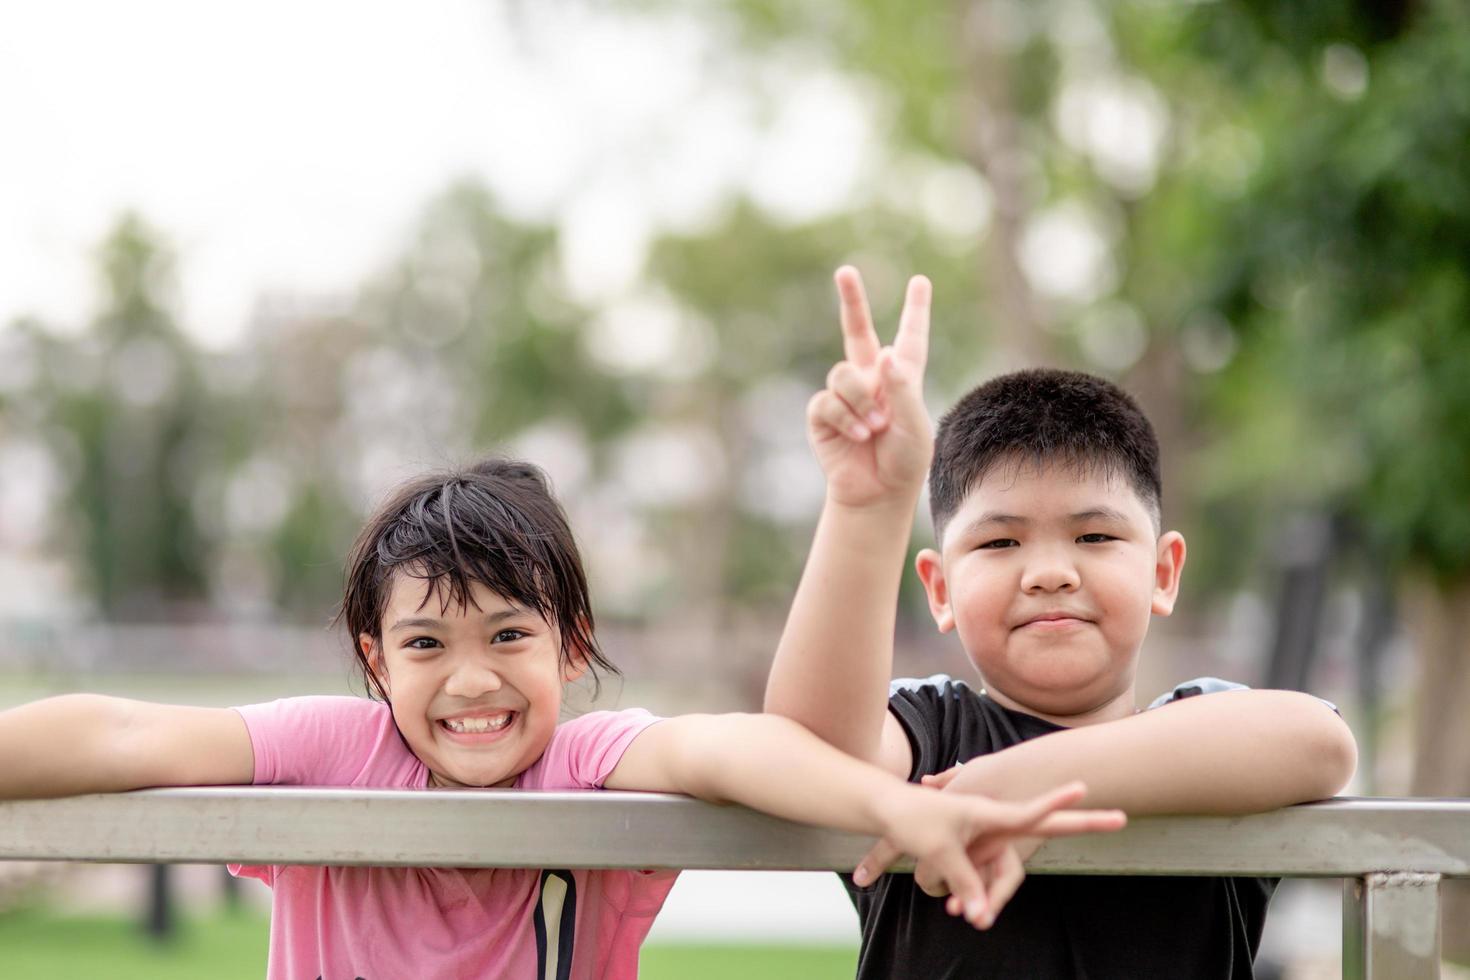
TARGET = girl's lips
(475,735)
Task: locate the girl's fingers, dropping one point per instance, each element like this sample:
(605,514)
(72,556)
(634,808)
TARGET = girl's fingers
(1007,873)
(878,859)
(1036,809)
(1069,823)
(966,888)
(859,339)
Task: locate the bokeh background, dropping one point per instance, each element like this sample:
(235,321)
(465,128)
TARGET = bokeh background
(259,262)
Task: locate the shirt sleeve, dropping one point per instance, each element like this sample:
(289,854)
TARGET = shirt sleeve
(321,741)
(925,708)
(1208,685)
(583,752)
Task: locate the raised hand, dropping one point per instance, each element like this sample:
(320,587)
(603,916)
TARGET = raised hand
(869,428)
(976,856)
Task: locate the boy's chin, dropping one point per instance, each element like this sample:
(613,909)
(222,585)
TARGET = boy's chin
(1060,694)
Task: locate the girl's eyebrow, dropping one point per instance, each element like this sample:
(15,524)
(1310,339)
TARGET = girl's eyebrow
(429,622)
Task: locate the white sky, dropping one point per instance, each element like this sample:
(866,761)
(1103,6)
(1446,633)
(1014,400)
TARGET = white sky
(289,147)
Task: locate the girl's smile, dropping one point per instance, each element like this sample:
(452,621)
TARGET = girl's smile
(475,687)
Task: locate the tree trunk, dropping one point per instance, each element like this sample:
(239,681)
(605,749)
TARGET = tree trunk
(991,143)
(1438,619)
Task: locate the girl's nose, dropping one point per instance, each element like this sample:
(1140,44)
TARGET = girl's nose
(471,679)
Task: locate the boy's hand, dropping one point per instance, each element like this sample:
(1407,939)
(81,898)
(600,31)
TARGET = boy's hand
(968,852)
(868,427)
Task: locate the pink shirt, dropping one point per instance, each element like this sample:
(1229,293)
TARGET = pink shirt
(391,923)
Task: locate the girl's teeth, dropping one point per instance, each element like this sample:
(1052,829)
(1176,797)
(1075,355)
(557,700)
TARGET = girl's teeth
(470,726)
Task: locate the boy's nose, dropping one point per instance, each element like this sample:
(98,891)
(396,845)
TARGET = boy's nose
(1053,575)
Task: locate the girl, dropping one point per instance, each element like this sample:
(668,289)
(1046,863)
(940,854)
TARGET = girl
(466,597)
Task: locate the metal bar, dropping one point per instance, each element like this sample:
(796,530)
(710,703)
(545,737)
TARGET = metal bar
(497,828)
(1390,927)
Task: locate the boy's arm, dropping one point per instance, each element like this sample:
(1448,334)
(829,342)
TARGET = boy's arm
(774,765)
(88,743)
(872,435)
(1226,753)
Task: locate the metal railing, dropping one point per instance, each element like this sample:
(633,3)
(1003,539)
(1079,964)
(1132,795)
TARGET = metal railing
(1393,853)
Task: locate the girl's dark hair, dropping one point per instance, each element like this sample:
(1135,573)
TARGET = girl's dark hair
(1042,416)
(495,523)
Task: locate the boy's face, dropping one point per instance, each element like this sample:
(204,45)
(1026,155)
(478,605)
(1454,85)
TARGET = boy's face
(1050,578)
(476,691)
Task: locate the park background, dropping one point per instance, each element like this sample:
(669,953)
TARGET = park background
(260,262)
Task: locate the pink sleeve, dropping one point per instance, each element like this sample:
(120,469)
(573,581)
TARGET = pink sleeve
(584,751)
(323,741)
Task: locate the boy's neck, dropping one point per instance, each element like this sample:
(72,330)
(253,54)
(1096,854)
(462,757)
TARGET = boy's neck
(1114,709)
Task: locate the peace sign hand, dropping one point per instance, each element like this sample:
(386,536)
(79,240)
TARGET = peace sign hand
(869,428)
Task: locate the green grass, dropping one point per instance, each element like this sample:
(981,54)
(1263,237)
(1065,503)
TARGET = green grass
(39,944)
(741,962)
(42,944)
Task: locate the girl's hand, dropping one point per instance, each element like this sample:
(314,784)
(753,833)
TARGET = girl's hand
(974,853)
(869,428)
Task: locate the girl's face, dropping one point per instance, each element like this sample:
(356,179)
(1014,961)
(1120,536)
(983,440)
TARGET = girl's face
(475,691)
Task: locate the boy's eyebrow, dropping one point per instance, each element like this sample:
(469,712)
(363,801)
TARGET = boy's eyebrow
(1100,513)
(996,517)
(430,622)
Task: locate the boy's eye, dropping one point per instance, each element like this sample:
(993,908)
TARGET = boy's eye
(1095,538)
(509,636)
(998,543)
(422,643)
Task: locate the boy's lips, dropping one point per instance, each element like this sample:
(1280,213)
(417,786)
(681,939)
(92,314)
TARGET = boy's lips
(1055,620)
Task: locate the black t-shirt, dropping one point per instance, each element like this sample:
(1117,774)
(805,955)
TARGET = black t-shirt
(1088,927)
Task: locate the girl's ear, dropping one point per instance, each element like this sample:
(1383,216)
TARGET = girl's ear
(931,572)
(1168,567)
(372,652)
(576,664)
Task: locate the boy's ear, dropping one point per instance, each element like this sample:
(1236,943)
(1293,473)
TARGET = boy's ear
(931,572)
(1168,567)
(372,652)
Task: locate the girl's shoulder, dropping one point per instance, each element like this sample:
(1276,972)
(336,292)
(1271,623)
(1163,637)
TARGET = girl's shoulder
(327,740)
(584,750)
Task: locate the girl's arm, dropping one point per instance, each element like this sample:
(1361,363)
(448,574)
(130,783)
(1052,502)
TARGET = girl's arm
(1226,753)
(772,764)
(89,743)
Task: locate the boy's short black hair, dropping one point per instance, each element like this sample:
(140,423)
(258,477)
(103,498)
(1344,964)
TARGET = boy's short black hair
(494,522)
(1043,417)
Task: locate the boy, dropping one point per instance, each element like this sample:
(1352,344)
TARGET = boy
(1050,561)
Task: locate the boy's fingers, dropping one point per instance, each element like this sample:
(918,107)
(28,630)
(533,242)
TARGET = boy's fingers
(850,384)
(874,863)
(859,339)
(939,780)
(912,342)
(828,413)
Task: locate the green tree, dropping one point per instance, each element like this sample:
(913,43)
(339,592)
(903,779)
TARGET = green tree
(125,410)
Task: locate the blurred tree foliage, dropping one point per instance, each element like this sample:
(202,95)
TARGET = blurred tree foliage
(126,412)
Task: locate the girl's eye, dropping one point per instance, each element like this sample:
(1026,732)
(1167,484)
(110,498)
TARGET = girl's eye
(508,636)
(998,544)
(422,643)
(1096,538)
